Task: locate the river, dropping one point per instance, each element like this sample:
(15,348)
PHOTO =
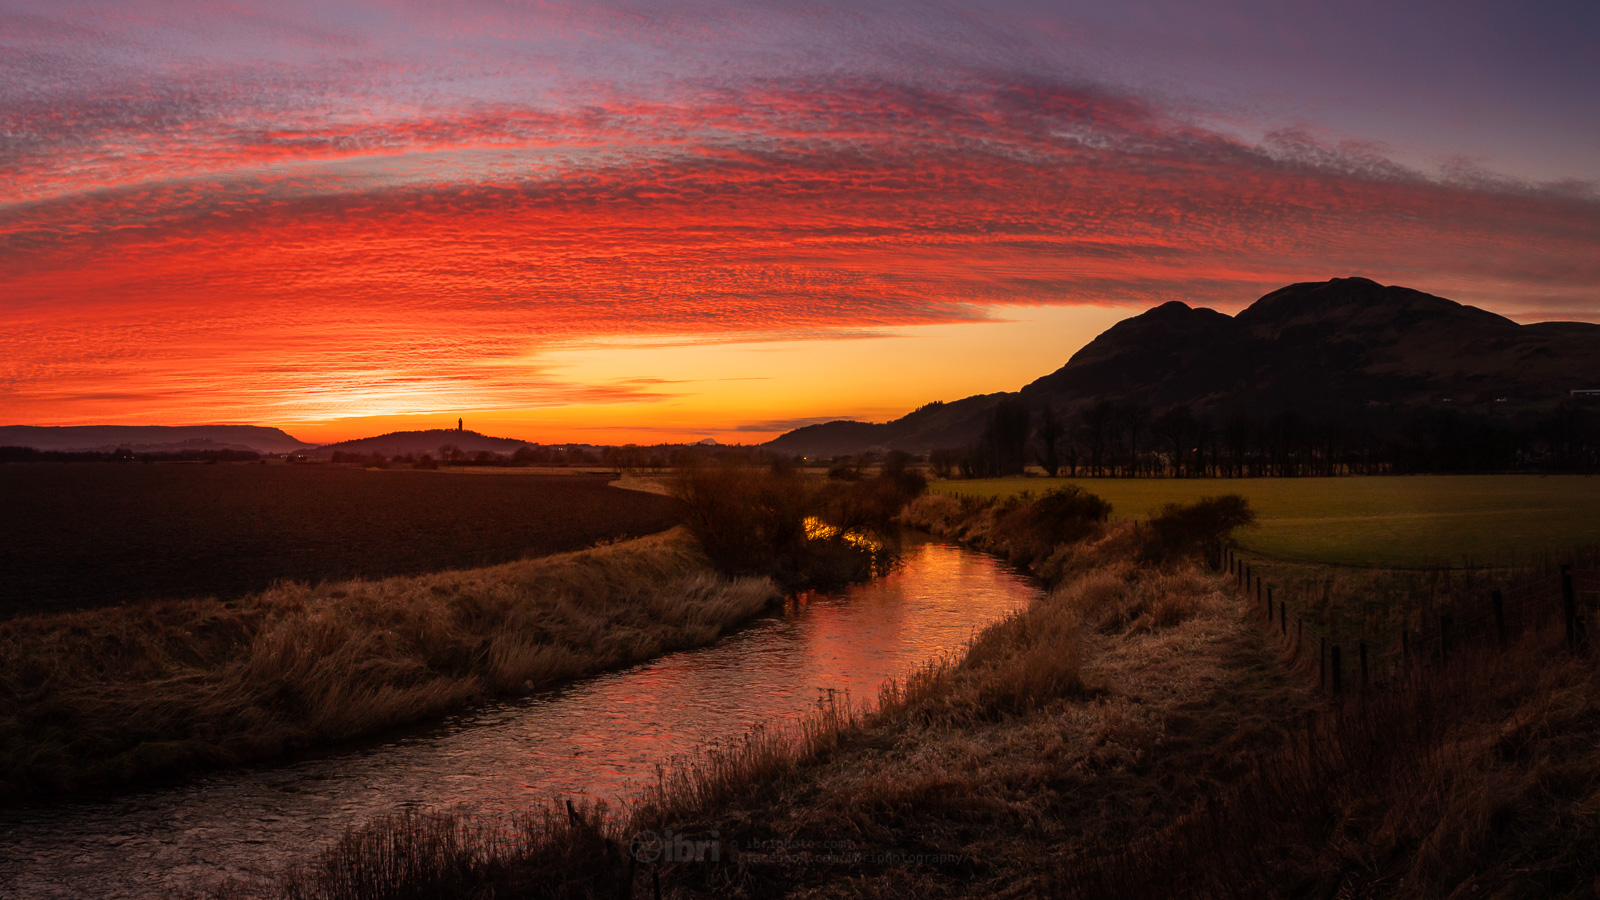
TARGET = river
(598,738)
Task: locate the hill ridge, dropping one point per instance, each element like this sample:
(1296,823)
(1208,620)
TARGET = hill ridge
(401,443)
(151,438)
(1328,349)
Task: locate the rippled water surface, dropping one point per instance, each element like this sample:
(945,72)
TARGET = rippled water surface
(598,738)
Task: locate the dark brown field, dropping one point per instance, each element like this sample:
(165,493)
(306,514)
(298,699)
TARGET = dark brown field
(77,535)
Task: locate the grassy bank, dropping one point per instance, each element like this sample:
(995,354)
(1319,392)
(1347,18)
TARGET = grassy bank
(119,695)
(1123,698)
(1116,704)
(1133,734)
(1410,521)
(1479,780)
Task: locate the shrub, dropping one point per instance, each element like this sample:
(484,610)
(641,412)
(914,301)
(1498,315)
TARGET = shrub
(754,521)
(897,471)
(1202,526)
(1031,531)
(748,521)
(940,514)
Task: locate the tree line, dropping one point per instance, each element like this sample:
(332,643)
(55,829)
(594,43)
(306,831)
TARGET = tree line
(1130,440)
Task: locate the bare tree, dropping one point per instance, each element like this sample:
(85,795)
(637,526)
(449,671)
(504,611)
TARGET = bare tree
(1135,417)
(1005,439)
(1049,432)
(1205,444)
(1097,422)
(1175,430)
(1236,433)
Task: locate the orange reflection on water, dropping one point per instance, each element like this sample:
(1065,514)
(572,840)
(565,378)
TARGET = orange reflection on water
(598,738)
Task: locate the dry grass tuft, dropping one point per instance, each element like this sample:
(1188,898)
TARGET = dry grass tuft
(116,695)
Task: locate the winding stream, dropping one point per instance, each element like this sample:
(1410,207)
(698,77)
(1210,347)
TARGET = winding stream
(597,738)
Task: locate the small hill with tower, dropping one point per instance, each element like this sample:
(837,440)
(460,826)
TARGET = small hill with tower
(416,443)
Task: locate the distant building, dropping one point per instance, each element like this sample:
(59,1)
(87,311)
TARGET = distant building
(1586,392)
(458,424)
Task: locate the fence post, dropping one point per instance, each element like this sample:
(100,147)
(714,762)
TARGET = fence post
(1499,602)
(1569,606)
(1364,680)
(1338,671)
(1269,605)
(1444,638)
(1283,618)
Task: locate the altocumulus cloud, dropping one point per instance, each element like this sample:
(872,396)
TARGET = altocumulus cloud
(408,218)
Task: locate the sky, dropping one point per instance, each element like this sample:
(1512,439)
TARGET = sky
(662,221)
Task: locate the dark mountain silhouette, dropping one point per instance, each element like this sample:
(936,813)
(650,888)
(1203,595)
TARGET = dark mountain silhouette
(1332,349)
(416,443)
(929,427)
(150,438)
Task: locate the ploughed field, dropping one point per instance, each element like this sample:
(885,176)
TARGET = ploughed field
(75,535)
(1400,521)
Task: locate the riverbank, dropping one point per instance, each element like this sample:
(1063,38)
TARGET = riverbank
(1108,709)
(124,695)
(1132,734)
(1117,703)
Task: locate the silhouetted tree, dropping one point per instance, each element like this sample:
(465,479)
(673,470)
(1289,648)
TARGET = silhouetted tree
(1236,434)
(1005,438)
(1174,429)
(1097,422)
(1135,417)
(1049,432)
(1205,442)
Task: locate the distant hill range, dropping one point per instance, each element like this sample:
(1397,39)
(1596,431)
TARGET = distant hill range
(416,443)
(1344,348)
(150,438)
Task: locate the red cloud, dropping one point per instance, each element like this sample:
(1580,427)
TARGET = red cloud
(423,241)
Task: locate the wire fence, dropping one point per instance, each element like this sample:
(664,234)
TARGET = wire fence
(1526,598)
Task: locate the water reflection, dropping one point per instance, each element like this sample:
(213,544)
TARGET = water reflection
(599,738)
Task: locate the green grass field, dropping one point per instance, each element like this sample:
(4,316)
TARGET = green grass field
(1395,521)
